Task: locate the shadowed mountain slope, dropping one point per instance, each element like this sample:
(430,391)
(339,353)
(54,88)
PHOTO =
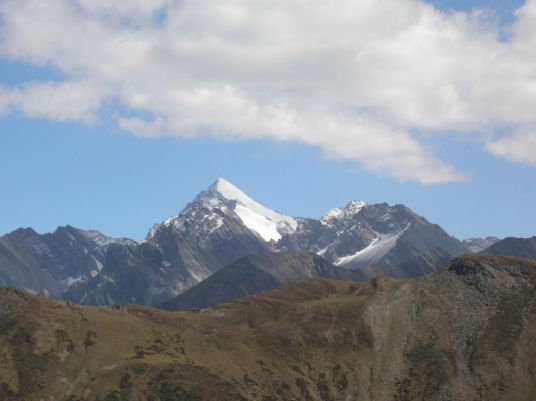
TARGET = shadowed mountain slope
(254,274)
(517,247)
(51,263)
(419,265)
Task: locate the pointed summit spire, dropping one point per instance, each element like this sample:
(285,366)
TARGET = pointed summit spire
(268,223)
(229,191)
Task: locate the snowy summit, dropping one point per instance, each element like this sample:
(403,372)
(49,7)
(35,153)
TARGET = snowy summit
(267,223)
(351,209)
(224,199)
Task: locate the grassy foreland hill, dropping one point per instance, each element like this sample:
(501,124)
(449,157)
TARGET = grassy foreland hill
(467,332)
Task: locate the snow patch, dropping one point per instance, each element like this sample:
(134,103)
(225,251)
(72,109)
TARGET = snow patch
(336,213)
(268,223)
(266,228)
(73,280)
(379,247)
(99,264)
(198,277)
(322,252)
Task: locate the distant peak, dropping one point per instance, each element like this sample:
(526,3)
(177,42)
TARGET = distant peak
(227,198)
(356,205)
(23,231)
(268,223)
(67,228)
(220,181)
(223,181)
(229,191)
(353,207)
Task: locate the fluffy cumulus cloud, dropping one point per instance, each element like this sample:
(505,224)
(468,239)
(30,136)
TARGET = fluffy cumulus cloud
(370,81)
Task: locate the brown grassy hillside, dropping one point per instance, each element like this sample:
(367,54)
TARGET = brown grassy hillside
(465,333)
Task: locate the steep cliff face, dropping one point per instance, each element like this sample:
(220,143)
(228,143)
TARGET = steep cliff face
(467,332)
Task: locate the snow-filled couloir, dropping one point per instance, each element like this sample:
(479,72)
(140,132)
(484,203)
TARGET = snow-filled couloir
(372,253)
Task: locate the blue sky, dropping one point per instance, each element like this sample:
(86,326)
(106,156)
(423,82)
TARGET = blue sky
(95,173)
(503,8)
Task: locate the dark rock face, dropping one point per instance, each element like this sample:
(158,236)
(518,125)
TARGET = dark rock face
(126,277)
(146,273)
(517,247)
(50,263)
(254,274)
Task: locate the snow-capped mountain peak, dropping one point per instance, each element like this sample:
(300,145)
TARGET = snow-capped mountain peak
(355,206)
(222,198)
(267,223)
(351,209)
(227,190)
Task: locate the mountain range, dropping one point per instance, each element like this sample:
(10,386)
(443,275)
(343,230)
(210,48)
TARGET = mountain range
(466,332)
(214,231)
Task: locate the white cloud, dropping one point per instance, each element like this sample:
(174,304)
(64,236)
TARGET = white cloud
(520,147)
(353,78)
(137,11)
(66,101)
